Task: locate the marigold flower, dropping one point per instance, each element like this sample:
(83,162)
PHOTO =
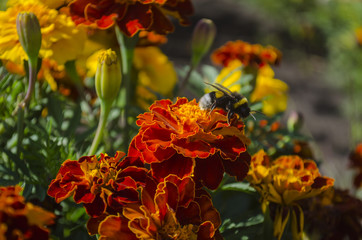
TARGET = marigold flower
(272,92)
(155,74)
(186,140)
(107,183)
(334,214)
(58,32)
(253,55)
(355,158)
(131,16)
(170,210)
(285,181)
(21,220)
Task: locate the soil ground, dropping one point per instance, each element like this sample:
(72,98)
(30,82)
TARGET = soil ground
(310,94)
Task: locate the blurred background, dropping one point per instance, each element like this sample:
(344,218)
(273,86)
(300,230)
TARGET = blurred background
(321,42)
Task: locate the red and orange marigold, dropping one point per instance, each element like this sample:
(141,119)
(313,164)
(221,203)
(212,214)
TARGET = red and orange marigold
(248,54)
(21,220)
(167,210)
(180,138)
(131,15)
(102,185)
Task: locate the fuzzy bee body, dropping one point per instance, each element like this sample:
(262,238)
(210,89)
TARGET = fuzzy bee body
(231,102)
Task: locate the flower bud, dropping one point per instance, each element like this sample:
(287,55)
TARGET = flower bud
(295,121)
(202,38)
(28,28)
(108,76)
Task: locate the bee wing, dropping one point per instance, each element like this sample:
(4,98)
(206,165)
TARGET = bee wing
(221,88)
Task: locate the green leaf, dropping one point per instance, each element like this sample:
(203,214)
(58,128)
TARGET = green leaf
(19,163)
(239,186)
(55,110)
(74,122)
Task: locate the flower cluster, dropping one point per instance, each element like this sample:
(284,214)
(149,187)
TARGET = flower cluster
(186,149)
(248,54)
(21,220)
(131,16)
(284,181)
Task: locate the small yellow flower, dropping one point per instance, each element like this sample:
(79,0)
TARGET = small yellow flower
(156,74)
(272,92)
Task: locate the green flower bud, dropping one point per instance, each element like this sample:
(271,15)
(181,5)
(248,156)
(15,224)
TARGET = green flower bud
(295,121)
(202,39)
(28,28)
(108,76)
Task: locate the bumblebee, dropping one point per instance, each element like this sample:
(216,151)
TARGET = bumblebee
(231,102)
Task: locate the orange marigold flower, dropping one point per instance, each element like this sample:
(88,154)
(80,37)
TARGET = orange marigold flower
(285,181)
(356,162)
(248,54)
(182,139)
(100,184)
(170,210)
(131,16)
(21,220)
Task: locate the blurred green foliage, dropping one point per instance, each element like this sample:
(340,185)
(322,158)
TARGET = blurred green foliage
(326,29)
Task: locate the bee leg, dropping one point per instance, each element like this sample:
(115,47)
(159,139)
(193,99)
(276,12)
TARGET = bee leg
(229,116)
(212,107)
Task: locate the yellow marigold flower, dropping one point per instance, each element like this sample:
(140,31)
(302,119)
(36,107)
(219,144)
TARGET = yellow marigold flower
(272,92)
(285,181)
(156,74)
(61,40)
(58,33)
(230,75)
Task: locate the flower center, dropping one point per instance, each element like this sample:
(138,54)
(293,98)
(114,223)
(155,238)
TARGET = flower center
(191,112)
(172,230)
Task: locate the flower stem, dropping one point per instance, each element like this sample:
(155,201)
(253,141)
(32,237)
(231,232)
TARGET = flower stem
(32,78)
(24,104)
(127,46)
(20,130)
(105,109)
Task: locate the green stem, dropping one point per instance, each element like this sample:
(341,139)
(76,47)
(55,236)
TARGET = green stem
(20,130)
(127,46)
(105,109)
(268,227)
(32,79)
(32,63)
